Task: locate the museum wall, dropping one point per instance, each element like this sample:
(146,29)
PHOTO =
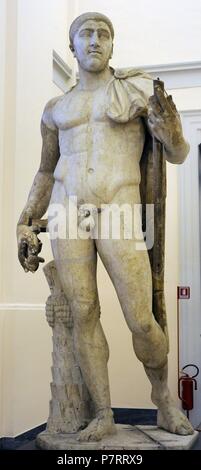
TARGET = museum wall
(2,85)
(30,29)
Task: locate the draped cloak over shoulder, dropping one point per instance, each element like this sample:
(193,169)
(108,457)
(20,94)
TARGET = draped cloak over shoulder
(127,95)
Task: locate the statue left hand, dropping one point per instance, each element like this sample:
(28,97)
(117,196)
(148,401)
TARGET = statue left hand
(164,121)
(29,246)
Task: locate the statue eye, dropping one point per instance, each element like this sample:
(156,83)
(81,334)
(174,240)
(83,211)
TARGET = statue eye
(85,33)
(104,35)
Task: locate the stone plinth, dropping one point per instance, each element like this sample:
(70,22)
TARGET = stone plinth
(127,437)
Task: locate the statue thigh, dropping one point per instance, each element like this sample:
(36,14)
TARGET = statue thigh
(130,272)
(76,263)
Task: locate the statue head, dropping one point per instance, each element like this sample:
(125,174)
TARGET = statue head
(91,41)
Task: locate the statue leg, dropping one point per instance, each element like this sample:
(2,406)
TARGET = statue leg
(76,264)
(130,272)
(169,417)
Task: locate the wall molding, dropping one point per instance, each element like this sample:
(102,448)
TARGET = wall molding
(12,443)
(175,75)
(191,112)
(21,306)
(62,73)
(176,66)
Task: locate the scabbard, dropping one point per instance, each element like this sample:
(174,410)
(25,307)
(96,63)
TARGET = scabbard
(157,256)
(159,197)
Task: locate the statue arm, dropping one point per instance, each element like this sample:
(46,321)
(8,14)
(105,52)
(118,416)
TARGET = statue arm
(164,123)
(40,193)
(178,152)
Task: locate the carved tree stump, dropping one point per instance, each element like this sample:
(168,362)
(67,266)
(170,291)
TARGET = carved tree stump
(70,405)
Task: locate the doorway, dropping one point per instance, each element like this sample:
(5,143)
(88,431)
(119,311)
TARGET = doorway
(189,213)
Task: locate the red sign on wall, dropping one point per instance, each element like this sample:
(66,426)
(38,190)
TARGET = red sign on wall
(183,292)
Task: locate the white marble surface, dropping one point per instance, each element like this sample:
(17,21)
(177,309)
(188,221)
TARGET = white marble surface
(168,440)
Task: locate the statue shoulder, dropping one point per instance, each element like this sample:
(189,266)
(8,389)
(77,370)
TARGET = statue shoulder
(47,116)
(135,80)
(129,72)
(53,107)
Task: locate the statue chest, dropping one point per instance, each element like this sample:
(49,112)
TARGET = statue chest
(79,108)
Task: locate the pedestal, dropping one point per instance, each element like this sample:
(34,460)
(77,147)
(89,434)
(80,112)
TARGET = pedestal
(127,438)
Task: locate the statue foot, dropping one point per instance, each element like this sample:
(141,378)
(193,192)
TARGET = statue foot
(101,426)
(169,417)
(173,420)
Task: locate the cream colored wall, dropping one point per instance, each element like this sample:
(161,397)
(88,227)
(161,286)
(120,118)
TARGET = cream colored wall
(34,28)
(7,149)
(187,98)
(2,84)
(30,30)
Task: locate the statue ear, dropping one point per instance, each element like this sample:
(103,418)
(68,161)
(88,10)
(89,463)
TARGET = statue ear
(111,53)
(71,48)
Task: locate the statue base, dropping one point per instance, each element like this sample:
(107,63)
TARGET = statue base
(127,437)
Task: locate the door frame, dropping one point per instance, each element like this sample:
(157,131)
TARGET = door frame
(189,253)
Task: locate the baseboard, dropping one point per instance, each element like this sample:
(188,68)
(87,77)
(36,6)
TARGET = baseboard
(135,416)
(12,443)
(121,415)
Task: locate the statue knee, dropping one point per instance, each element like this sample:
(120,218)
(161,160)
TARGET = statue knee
(142,326)
(85,311)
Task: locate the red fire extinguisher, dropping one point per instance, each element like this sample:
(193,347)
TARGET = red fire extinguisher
(186,386)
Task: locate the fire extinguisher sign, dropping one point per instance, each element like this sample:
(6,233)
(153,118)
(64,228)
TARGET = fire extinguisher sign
(183,292)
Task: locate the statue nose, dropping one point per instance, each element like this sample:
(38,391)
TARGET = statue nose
(95,39)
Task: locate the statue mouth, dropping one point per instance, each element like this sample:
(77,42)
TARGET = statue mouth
(95,52)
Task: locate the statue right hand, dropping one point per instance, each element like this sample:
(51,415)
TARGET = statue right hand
(29,246)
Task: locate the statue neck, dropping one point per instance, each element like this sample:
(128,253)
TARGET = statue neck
(93,80)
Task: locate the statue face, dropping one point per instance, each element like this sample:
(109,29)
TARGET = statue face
(93,45)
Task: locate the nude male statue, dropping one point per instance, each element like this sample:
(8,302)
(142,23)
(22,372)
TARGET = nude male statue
(93,138)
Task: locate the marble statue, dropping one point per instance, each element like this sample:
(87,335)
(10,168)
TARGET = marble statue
(93,140)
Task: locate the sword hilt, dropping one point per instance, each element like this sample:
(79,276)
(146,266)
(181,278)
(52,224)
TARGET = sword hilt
(38,225)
